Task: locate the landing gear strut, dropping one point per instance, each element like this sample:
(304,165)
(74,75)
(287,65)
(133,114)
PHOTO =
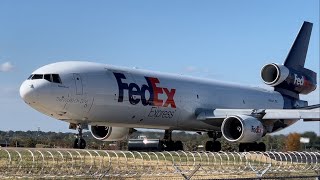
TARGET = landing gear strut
(168,144)
(214,145)
(79,142)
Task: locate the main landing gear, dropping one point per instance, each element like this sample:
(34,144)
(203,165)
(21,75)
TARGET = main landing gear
(79,142)
(168,144)
(245,147)
(214,145)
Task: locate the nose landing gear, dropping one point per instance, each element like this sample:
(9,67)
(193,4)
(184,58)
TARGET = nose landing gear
(79,142)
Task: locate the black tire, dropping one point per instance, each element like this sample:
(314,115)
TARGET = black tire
(81,145)
(161,146)
(242,147)
(261,147)
(246,147)
(169,146)
(253,147)
(178,146)
(75,144)
(216,146)
(209,146)
(164,145)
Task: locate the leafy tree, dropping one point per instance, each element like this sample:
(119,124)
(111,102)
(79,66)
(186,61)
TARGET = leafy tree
(274,142)
(15,142)
(292,142)
(30,142)
(313,138)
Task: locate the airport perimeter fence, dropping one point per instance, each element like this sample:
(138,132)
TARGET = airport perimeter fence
(72,163)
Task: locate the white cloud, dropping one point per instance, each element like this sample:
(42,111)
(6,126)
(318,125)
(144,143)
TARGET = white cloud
(5,67)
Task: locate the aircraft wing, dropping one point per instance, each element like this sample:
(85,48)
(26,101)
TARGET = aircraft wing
(215,117)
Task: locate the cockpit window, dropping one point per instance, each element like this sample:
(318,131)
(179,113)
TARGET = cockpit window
(56,78)
(37,76)
(49,77)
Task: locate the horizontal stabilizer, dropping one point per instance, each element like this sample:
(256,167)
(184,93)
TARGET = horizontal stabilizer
(311,106)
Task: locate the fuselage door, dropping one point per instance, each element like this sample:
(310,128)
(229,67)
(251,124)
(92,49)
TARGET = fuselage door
(79,101)
(79,86)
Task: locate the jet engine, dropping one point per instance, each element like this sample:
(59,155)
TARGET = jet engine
(106,133)
(300,81)
(244,129)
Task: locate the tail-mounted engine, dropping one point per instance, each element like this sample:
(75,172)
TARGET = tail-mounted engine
(302,81)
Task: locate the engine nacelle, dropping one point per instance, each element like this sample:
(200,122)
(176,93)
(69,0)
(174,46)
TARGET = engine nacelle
(300,81)
(274,74)
(242,128)
(105,133)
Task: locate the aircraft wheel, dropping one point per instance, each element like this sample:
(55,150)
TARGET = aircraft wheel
(252,147)
(245,147)
(169,146)
(241,147)
(79,145)
(162,146)
(75,144)
(178,146)
(216,146)
(209,146)
(261,147)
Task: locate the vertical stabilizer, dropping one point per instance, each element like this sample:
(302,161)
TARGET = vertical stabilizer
(292,78)
(298,52)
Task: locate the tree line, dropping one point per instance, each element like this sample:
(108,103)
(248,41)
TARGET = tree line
(192,141)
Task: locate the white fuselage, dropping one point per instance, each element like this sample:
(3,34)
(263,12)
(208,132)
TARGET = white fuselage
(90,93)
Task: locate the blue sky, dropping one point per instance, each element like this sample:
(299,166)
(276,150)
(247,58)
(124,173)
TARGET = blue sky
(225,40)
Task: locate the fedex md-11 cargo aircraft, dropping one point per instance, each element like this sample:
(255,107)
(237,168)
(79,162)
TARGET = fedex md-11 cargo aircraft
(115,100)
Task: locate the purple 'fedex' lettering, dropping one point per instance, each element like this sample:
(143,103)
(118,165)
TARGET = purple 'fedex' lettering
(151,86)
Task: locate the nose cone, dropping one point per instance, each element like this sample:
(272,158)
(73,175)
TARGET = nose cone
(27,92)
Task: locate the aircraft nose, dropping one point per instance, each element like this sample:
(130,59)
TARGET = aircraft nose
(27,92)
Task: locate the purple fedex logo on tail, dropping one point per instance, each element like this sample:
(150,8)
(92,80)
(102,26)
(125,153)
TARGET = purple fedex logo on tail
(152,87)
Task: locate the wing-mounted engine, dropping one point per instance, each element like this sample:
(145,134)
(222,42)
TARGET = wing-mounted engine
(106,133)
(242,128)
(299,81)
